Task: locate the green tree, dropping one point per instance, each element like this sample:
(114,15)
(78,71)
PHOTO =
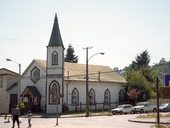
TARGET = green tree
(137,81)
(142,60)
(70,56)
(140,77)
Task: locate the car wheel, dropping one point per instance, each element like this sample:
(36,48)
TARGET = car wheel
(121,112)
(141,111)
(132,112)
(154,110)
(113,113)
(165,110)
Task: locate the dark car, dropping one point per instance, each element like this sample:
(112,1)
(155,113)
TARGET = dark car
(165,107)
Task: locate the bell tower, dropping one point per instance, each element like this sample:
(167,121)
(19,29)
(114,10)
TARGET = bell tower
(54,70)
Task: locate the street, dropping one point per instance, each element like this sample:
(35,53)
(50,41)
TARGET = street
(116,121)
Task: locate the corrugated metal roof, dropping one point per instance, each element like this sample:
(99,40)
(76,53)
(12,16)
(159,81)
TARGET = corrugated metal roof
(77,72)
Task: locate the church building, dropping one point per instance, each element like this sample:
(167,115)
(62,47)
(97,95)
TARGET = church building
(53,85)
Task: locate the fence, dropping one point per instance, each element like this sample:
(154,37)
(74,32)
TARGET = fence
(92,107)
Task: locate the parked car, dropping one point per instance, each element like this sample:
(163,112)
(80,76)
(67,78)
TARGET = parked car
(142,107)
(165,107)
(121,109)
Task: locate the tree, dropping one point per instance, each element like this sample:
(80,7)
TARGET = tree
(70,56)
(133,95)
(137,81)
(162,61)
(142,60)
(140,77)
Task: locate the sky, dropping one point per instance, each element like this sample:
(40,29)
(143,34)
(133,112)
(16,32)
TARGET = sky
(122,29)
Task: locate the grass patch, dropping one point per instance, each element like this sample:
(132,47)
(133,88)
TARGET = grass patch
(153,115)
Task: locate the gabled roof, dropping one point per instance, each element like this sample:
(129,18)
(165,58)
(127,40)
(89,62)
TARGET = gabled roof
(12,86)
(4,71)
(55,39)
(33,91)
(13,78)
(77,72)
(74,71)
(39,62)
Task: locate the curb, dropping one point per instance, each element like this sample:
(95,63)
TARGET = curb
(149,122)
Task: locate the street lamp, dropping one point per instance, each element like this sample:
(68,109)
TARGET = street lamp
(87,78)
(19,66)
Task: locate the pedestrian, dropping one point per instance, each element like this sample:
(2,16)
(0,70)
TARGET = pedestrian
(29,116)
(15,115)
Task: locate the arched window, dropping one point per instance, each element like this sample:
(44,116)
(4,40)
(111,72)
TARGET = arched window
(121,96)
(91,96)
(75,97)
(107,96)
(54,58)
(54,93)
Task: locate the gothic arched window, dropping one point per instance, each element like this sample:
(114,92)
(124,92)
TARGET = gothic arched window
(121,96)
(54,93)
(54,58)
(75,97)
(91,96)
(107,96)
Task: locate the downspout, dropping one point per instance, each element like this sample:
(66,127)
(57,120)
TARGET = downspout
(46,83)
(63,76)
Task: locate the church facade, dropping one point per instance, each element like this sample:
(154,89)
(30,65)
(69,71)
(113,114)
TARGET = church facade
(52,85)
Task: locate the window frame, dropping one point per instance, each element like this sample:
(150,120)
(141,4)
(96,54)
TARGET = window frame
(35,78)
(108,95)
(75,101)
(92,97)
(53,88)
(54,58)
(121,96)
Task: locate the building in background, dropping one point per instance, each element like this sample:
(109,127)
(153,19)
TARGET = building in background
(8,90)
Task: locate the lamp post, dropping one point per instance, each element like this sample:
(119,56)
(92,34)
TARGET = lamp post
(87,78)
(19,83)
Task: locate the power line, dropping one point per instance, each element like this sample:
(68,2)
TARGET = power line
(21,40)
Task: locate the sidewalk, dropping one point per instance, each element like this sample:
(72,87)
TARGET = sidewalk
(50,115)
(163,120)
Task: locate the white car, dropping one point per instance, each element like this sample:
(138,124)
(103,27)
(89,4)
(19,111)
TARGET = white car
(124,108)
(142,107)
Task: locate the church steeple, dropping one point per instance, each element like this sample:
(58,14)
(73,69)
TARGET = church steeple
(55,39)
(55,69)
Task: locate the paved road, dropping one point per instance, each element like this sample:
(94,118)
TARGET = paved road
(116,121)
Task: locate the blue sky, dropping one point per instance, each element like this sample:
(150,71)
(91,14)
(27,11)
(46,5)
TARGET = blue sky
(120,28)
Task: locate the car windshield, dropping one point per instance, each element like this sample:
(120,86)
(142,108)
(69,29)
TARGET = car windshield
(163,105)
(120,106)
(140,103)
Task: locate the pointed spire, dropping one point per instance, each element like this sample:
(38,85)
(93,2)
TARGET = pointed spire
(55,39)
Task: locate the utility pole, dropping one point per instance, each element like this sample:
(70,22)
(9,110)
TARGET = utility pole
(87,82)
(157,99)
(87,77)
